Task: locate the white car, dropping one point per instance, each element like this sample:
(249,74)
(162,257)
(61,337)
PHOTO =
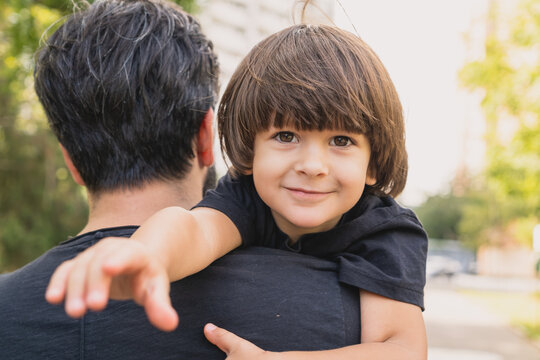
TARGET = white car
(438,265)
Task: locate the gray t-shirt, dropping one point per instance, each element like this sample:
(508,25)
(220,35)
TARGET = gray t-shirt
(277,299)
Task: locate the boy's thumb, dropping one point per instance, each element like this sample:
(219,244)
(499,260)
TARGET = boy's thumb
(223,339)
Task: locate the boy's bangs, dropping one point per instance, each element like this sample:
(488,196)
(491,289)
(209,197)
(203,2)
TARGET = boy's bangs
(307,107)
(319,121)
(300,80)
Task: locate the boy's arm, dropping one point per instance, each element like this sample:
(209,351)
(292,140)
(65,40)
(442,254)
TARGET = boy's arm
(188,241)
(390,330)
(170,245)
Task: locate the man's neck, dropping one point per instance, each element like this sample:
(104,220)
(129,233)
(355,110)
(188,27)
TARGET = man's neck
(133,207)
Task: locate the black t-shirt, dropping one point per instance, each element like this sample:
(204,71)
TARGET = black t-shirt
(278,300)
(378,245)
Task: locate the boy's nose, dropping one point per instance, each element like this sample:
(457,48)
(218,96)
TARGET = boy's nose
(312,162)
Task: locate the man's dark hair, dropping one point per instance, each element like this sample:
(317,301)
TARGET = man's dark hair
(125,86)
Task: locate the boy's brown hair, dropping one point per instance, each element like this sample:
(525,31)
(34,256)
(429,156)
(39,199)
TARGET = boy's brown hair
(315,77)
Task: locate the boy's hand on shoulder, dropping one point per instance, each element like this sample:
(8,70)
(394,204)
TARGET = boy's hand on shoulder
(116,268)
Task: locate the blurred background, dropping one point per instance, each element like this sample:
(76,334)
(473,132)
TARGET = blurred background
(468,75)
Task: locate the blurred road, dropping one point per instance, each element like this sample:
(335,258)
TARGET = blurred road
(460,329)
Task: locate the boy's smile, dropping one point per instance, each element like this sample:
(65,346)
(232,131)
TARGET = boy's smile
(307,194)
(308,178)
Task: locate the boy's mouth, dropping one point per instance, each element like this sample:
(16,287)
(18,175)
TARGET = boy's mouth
(307,194)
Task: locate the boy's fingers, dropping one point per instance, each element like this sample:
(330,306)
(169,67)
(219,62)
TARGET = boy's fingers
(226,340)
(119,268)
(98,283)
(131,270)
(126,257)
(157,305)
(56,290)
(75,303)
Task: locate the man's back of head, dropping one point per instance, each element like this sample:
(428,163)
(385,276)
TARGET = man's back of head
(125,86)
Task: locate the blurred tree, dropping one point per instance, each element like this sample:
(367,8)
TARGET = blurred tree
(441,215)
(39,204)
(508,76)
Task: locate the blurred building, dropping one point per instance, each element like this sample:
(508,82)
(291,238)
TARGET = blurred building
(235,26)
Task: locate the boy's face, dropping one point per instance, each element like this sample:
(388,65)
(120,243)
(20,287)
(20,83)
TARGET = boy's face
(308,178)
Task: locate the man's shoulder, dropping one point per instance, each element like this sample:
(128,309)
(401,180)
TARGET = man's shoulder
(32,328)
(40,269)
(25,287)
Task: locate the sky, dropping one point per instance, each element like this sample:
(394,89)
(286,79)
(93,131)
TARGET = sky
(423,44)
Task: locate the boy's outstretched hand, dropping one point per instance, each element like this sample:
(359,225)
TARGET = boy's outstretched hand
(116,268)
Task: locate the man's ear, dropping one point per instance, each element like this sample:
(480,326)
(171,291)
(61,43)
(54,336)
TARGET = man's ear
(205,140)
(72,169)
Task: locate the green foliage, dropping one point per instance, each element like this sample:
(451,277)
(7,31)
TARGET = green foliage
(441,215)
(482,216)
(502,205)
(39,203)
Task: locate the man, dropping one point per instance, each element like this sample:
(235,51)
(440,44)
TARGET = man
(128,88)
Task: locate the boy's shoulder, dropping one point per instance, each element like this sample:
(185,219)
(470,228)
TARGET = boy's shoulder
(233,194)
(374,224)
(234,183)
(378,210)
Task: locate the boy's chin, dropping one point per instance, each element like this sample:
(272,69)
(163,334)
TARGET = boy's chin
(310,225)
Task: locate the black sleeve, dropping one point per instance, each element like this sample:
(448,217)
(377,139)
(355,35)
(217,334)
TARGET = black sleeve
(382,248)
(390,262)
(239,201)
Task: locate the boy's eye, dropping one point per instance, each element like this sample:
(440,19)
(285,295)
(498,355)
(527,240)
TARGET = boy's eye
(285,137)
(341,141)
